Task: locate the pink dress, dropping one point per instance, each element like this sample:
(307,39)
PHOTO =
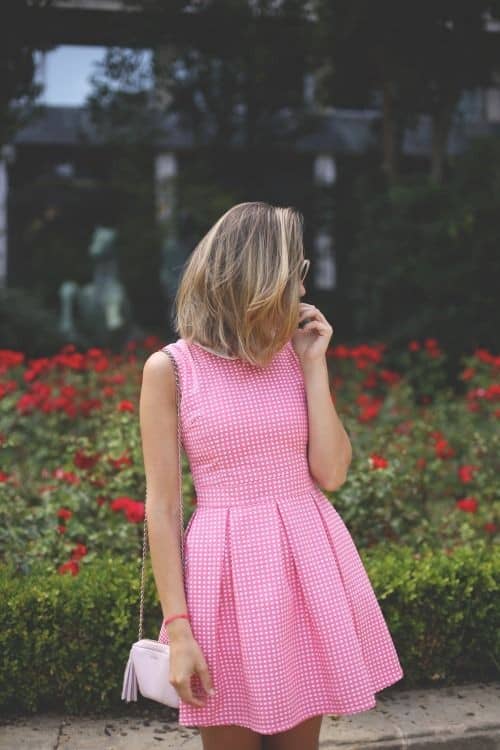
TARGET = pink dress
(279,600)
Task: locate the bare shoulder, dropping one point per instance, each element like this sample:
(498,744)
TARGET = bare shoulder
(158,361)
(158,373)
(158,415)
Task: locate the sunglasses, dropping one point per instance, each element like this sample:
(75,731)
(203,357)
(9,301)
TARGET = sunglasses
(304,269)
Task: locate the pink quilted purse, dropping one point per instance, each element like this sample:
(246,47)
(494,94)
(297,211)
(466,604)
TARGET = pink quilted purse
(148,664)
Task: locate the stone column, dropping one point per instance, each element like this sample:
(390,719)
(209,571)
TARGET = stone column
(166,213)
(4,190)
(325,268)
(163,58)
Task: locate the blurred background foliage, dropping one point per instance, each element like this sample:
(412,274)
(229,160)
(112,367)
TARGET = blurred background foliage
(415,237)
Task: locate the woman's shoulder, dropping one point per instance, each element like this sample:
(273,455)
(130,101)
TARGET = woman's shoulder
(158,379)
(181,353)
(159,364)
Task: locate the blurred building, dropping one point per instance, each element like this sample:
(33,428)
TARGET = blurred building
(63,141)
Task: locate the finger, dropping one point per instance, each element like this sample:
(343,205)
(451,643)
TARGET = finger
(308,315)
(311,309)
(206,679)
(186,693)
(317,316)
(313,321)
(183,688)
(314,325)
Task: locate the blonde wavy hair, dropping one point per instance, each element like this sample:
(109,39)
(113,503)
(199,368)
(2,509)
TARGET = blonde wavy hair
(239,291)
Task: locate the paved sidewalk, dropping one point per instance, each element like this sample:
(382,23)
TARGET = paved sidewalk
(466,717)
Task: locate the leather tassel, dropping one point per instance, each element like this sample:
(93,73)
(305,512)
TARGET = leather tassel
(129,690)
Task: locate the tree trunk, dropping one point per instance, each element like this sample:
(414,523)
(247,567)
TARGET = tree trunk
(441,125)
(389,161)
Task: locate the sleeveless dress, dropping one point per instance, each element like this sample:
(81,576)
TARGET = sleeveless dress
(278,597)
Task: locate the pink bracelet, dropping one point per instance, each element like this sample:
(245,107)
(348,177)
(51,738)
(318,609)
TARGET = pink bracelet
(173,617)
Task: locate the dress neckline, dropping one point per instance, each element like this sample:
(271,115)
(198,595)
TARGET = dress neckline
(211,351)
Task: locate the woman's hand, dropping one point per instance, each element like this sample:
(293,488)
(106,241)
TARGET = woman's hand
(313,339)
(186,659)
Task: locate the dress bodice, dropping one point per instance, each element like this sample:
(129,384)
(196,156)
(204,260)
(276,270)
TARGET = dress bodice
(244,428)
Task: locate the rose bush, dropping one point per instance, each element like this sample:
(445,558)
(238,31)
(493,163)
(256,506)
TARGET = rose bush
(425,455)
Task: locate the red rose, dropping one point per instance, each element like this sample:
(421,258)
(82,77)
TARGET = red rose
(466,473)
(467,504)
(69,567)
(64,513)
(378,462)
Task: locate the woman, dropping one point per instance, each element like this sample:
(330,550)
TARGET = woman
(277,613)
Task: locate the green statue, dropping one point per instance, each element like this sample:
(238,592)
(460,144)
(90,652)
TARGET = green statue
(99,313)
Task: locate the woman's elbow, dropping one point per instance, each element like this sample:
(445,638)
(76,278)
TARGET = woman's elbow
(339,477)
(333,483)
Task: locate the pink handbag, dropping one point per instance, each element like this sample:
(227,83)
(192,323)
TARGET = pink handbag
(148,664)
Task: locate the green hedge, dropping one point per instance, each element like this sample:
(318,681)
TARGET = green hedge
(64,640)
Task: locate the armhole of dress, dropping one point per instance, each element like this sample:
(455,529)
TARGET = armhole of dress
(294,354)
(185,365)
(172,349)
(189,360)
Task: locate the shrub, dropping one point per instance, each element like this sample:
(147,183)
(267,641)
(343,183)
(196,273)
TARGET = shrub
(64,640)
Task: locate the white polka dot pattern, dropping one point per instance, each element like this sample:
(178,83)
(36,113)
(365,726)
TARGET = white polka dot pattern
(279,600)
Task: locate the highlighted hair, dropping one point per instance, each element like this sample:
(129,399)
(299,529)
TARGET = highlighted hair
(240,288)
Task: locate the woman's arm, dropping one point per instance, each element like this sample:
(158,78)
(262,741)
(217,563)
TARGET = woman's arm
(329,447)
(158,422)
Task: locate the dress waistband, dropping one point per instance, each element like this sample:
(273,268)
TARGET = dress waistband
(257,492)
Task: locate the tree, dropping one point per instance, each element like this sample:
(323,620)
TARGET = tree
(18,43)
(420,57)
(241,77)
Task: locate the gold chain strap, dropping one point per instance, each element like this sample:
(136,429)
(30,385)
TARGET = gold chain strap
(181,515)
